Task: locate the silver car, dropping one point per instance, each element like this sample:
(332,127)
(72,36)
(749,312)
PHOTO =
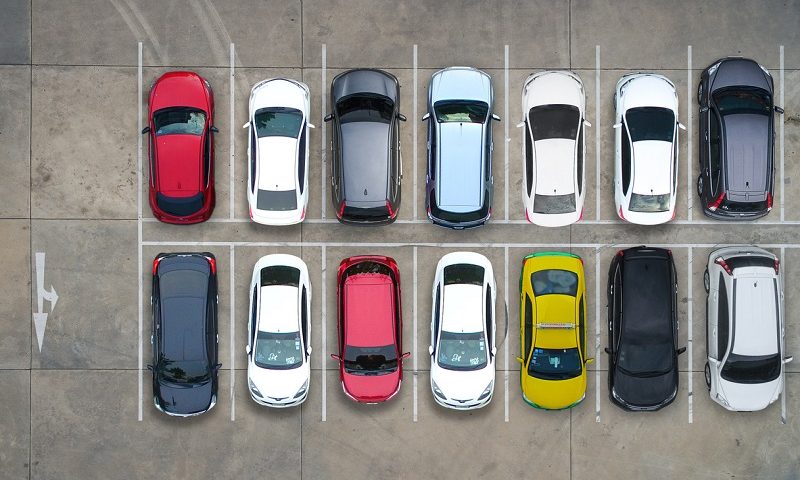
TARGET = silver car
(459,181)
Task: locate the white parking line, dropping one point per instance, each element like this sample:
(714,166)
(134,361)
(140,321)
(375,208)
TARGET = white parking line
(414,121)
(232,319)
(783,345)
(323,127)
(139,226)
(597,134)
(414,350)
(232,157)
(689,121)
(324,357)
(780,132)
(596,334)
(506,139)
(690,307)
(505,342)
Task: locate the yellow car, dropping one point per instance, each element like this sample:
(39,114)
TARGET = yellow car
(553,330)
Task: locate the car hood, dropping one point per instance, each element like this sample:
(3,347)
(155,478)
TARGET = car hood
(364,81)
(554,88)
(749,397)
(740,72)
(461,83)
(462,385)
(555,166)
(278,384)
(554,394)
(645,391)
(180,400)
(747,138)
(371,388)
(277,158)
(365,162)
(178,169)
(461,175)
(653,167)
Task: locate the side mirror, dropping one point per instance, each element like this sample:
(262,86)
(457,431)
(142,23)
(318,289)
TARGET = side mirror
(520,360)
(703,109)
(589,361)
(788,359)
(308,351)
(426,116)
(521,124)
(328,117)
(494,351)
(587,123)
(214,129)
(217,366)
(405,355)
(713,361)
(430,350)
(778,109)
(246,125)
(495,117)
(680,350)
(247,349)
(149,367)
(607,350)
(401,117)
(336,357)
(617,125)
(311,125)
(681,126)
(146,130)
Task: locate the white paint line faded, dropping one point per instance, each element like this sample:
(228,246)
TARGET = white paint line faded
(596,334)
(139,228)
(232,319)
(689,343)
(324,320)
(597,132)
(414,126)
(506,139)
(780,132)
(689,133)
(414,350)
(784,413)
(505,342)
(232,151)
(323,128)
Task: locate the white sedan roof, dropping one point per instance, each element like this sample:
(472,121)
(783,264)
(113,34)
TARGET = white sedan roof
(462,311)
(555,166)
(278,309)
(275,172)
(653,167)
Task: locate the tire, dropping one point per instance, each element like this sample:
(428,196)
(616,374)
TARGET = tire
(708,377)
(700,187)
(706,280)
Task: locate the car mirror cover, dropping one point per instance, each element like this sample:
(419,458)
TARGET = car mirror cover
(430,350)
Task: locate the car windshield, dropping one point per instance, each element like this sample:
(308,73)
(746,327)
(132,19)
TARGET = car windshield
(179,121)
(547,282)
(731,101)
(555,363)
(554,121)
(751,369)
(276,200)
(554,204)
(650,123)
(460,111)
(462,351)
(278,122)
(365,108)
(370,360)
(278,351)
(649,203)
(191,371)
(644,357)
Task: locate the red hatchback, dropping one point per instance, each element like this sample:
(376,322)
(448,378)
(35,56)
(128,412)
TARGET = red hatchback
(370,328)
(181,148)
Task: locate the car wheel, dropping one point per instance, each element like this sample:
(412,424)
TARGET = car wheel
(708,376)
(706,280)
(699,92)
(700,187)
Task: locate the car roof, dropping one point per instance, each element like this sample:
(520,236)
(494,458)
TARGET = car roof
(461,163)
(369,310)
(647,292)
(183,294)
(365,163)
(747,139)
(364,81)
(755,312)
(277,157)
(653,164)
(555,321)
(555,166)
(462,308)
(179,170)
(278,312)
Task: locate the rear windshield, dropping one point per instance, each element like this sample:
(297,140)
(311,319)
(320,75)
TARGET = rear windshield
(276,200)
(649,203)
(460,111)
(750,261)
(365,108)
(278,122)
(650,123)
(737,100)
(463,273)
(373,214)
(180,206)
(179,120)
(280,275)
(751,369)
(554,204)
(549,282)
(554,121)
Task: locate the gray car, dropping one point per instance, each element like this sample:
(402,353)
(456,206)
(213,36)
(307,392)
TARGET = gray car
(459,183)
(737,136)
(367,167)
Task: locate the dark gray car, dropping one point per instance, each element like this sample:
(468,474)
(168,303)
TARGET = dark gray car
(366,167)
(737,136)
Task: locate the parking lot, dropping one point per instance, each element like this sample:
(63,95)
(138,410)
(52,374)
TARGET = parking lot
(76,399)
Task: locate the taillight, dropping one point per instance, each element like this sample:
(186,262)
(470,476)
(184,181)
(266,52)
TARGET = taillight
(303,214)
(717,202)
(721,262)
(776,266)
(389,207)
(620,213)
(527,217)
(769,202)
(581,217)
(250,210)
(213,263)
(155,264)
(341,209)
(621,253)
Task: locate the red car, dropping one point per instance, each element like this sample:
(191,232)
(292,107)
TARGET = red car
(370,328)
(180,124)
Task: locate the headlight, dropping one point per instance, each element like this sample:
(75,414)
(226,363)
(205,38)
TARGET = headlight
(765,70)
(487,391)
(254,389)
(302,390)
(722,400)
(713,68)
(437,391)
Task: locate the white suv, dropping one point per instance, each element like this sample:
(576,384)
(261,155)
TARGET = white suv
(744,329)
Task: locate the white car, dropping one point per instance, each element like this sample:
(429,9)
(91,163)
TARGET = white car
(646,148)
(554,103)
(277,151)
(463,329)
(279,332)
(745,331)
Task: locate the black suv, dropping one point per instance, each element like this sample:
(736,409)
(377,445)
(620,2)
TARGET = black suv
(737,136)
(184,333)
(642,329)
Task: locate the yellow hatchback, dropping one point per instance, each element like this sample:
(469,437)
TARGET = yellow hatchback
(553,330)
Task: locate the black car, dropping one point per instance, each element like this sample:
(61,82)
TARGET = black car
(184,333)
(367,167)
(737,136)
(642,329)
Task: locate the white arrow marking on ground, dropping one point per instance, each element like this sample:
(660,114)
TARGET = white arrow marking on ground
(40,317)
